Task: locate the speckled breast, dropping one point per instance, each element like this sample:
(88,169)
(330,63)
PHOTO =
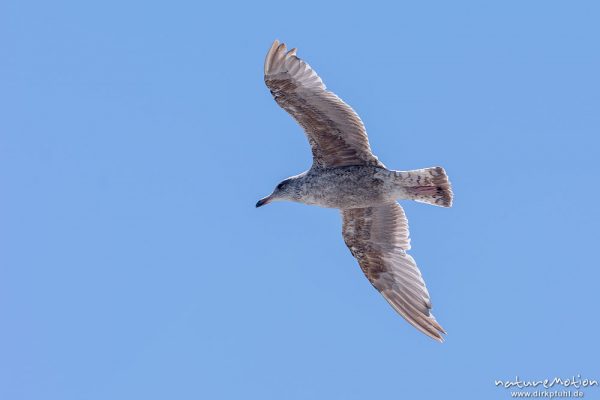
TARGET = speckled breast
(348,187)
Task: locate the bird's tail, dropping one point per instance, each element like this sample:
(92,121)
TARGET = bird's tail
(427,185)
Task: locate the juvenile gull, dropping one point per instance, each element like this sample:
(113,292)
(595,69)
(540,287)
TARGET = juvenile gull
(346,175)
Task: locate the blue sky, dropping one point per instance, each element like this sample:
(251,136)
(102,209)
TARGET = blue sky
(136,137)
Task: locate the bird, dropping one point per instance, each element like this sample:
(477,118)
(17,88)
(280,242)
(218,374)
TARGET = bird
(346,175)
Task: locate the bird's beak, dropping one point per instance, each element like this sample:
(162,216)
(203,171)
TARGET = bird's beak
(264,201)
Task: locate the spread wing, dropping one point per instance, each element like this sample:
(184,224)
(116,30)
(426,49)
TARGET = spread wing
(378,238)
(335,132)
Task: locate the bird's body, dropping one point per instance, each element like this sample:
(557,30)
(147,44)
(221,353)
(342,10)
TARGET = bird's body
(358,186)
(347,187)
(346,175)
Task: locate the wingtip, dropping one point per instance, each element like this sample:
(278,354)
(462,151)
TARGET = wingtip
(426,324)
(269,56)
(277,54)
(439,330)
(275,44)
(437,336)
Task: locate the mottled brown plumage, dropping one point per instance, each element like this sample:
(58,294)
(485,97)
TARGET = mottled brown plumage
(378,238)
(346,175)
(336,134)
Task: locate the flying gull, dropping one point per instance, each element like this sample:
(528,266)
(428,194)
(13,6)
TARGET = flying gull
(346,175)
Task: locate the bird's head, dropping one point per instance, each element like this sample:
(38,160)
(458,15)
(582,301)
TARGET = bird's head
(285,190)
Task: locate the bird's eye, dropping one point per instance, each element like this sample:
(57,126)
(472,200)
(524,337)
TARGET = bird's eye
(282,184)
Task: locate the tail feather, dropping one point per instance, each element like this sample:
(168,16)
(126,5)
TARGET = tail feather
(427,185)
